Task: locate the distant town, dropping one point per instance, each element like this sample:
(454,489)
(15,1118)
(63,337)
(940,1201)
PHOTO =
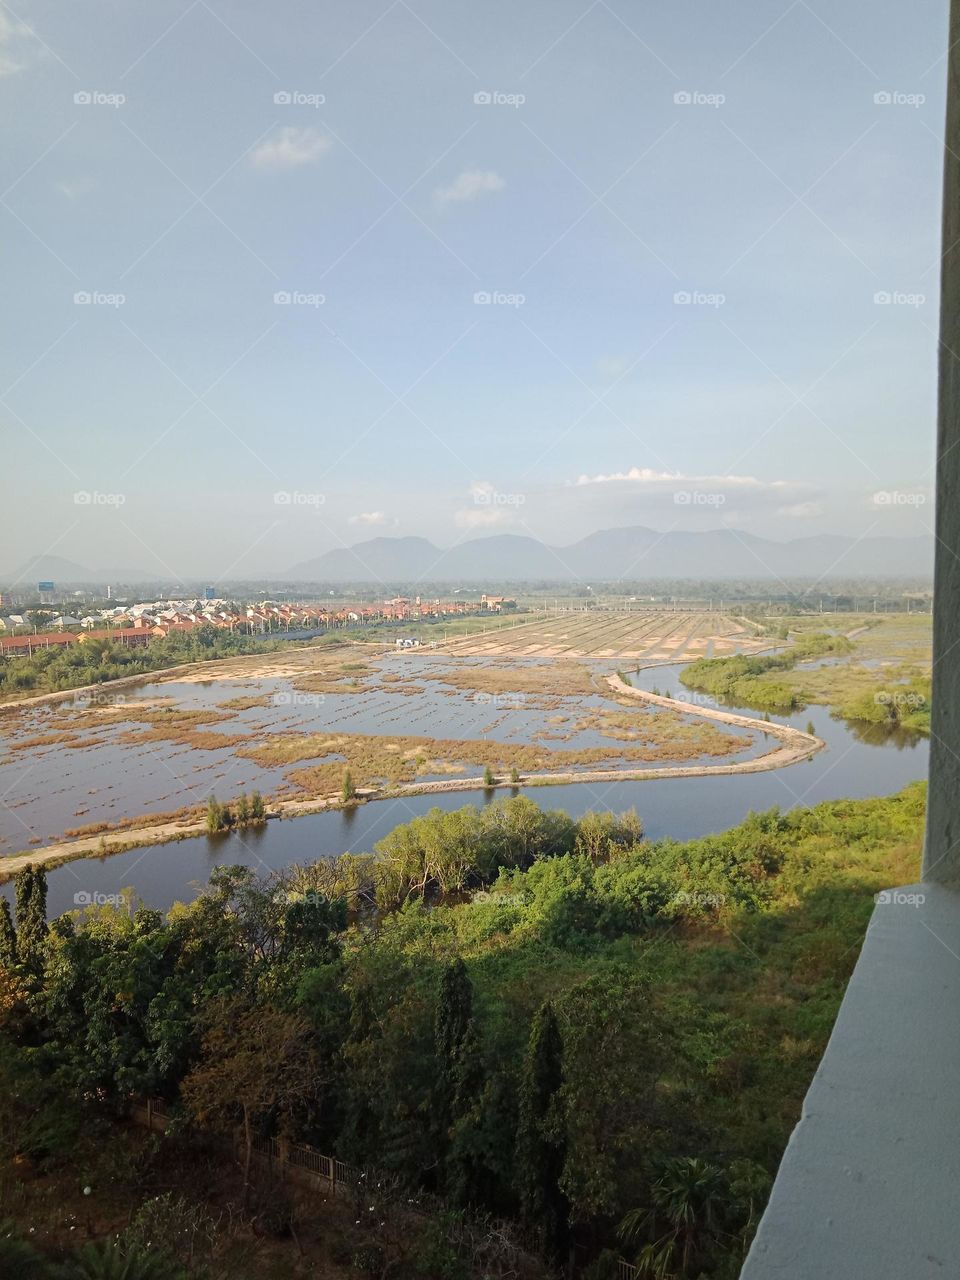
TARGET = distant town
(136,625)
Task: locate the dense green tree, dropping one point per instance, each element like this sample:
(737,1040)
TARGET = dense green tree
(8,936)
(456,1047)
(214,815)
(541,1137)
(454,1011)
(30,887)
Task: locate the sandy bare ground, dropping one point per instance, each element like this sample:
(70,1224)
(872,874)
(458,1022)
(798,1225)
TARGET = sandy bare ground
(795,746)
(629,635)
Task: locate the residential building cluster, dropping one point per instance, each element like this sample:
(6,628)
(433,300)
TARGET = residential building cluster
(136,625)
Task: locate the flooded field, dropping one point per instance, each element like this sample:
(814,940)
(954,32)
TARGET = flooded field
(284,722)
(288,725)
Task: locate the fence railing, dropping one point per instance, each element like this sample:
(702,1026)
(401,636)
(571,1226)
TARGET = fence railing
(295,1160)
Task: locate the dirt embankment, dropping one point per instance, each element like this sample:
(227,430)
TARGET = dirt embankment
(795,746)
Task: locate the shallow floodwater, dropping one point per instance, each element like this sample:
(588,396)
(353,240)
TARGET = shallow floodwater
(50,789)
(854,764)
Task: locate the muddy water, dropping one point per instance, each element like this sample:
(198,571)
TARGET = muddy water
(51,789)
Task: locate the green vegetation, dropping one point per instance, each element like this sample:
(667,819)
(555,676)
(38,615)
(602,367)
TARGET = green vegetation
(886,683)
(741,679)
(903,706)
(250,811)
(96,661)
(348,792)
(602,1043)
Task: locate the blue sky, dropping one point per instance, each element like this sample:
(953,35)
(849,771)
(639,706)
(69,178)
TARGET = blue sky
(687,219)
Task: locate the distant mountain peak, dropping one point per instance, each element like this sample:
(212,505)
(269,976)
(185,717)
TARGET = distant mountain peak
(631,553)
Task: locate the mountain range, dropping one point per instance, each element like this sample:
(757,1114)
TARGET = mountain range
(634,554)
(630,554)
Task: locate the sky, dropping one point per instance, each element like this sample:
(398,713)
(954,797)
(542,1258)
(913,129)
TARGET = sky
(281,278)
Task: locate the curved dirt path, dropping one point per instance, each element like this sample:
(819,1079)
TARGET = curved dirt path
(795,746)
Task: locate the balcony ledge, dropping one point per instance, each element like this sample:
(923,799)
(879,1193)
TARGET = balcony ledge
(868,1186)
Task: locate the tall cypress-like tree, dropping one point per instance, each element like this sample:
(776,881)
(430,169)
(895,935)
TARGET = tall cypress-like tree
(464,1142)
(8,936)
(30,886)
(454,1012)
(541,1141)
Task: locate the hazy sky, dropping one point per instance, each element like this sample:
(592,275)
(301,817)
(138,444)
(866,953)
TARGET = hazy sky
(380,163)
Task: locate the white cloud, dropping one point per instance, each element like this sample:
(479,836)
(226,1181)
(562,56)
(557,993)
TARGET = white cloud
(468,186)
(371,518)
(290,148)
(672,479)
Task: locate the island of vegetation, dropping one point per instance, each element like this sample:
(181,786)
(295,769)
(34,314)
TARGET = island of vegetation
(896,696)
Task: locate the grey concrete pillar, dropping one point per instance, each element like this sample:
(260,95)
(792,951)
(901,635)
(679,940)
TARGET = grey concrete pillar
(941,855)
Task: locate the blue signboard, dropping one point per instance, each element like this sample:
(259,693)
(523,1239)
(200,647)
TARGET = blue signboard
(44,586)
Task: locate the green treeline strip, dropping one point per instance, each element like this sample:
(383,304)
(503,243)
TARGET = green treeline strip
(606,1048)
(465,849)
(742,679)
(96,661)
